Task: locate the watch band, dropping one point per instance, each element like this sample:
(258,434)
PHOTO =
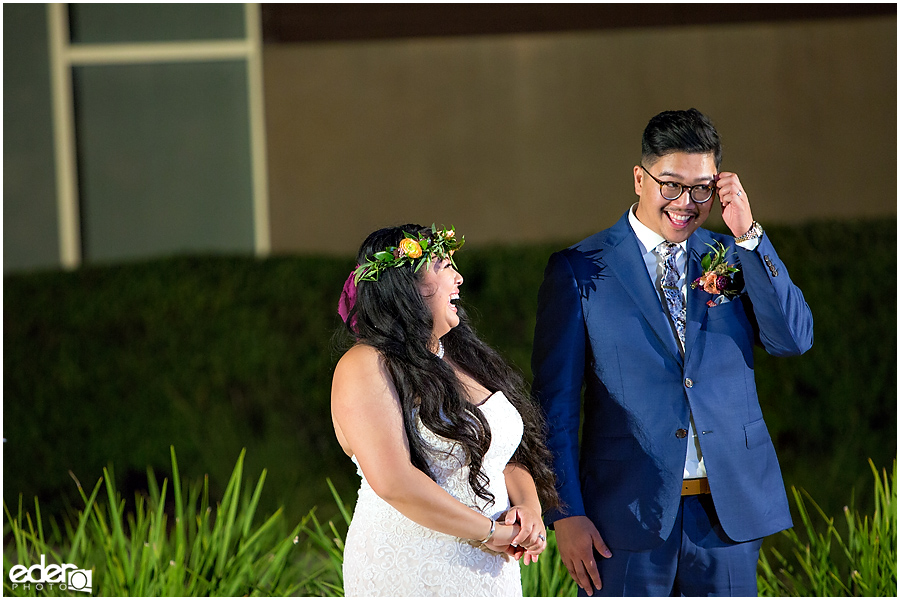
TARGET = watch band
(754,232)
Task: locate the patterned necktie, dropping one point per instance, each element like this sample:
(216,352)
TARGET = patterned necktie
(674,299)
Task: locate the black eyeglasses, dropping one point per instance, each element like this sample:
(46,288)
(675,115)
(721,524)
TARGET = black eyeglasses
(672,190)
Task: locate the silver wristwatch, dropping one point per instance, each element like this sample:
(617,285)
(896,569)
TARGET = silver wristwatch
(754,232)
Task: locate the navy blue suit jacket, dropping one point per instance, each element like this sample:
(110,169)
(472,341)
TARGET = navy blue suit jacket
(602,328)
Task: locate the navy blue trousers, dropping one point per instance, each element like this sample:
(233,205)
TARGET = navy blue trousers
(697,559)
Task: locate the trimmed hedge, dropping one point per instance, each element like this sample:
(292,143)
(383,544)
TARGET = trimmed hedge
(115,364)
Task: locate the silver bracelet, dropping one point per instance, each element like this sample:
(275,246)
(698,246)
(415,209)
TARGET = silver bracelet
(491,534)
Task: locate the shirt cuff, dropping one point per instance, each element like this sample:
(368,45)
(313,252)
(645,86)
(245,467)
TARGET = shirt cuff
(749,244)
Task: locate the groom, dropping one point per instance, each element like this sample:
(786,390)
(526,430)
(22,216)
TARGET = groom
(670,482)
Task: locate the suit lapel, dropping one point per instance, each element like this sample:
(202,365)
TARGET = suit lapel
(626,262)
(697,298)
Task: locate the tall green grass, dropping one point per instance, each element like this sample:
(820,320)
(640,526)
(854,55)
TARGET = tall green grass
(178,543)
(328,542)
(548,576)
(824,562)
(205,550)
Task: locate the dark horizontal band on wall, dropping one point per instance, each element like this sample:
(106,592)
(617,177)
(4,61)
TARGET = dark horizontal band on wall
(290,23)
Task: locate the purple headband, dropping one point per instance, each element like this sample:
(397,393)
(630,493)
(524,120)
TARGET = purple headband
(348,299)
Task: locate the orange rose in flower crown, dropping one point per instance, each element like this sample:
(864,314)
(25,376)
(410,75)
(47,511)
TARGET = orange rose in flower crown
(410,248)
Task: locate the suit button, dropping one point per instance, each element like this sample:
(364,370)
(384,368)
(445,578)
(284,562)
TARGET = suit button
(681,433)
(689,382)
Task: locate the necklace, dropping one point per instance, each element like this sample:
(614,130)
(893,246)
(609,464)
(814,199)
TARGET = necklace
(440,352)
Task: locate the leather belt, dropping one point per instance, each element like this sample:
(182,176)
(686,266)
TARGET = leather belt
(693,487)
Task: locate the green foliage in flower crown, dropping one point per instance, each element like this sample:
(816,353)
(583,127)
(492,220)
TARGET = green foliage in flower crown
(438,245)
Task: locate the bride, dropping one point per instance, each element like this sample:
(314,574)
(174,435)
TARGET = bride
(447,443)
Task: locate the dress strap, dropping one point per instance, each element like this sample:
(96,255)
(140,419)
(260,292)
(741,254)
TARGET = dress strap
(483,402)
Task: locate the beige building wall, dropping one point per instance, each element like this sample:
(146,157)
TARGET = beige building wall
(533,137)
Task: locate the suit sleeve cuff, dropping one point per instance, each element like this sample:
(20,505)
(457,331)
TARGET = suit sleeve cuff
(555,514)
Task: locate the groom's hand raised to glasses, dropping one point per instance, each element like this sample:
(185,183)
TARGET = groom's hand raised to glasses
(577,537)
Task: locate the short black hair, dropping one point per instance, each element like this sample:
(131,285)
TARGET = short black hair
(680,131)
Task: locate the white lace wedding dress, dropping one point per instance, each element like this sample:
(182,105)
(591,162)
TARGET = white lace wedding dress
(386,554)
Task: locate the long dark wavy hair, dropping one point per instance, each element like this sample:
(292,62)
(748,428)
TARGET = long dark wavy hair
(391,315)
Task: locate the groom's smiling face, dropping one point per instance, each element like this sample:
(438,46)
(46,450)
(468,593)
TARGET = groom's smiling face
(675,220)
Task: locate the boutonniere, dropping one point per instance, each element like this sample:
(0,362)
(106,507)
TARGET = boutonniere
(717,275)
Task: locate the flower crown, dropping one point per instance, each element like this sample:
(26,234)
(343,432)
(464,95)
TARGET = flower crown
(440,244)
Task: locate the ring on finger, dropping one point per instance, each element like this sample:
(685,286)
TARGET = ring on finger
(739,193)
